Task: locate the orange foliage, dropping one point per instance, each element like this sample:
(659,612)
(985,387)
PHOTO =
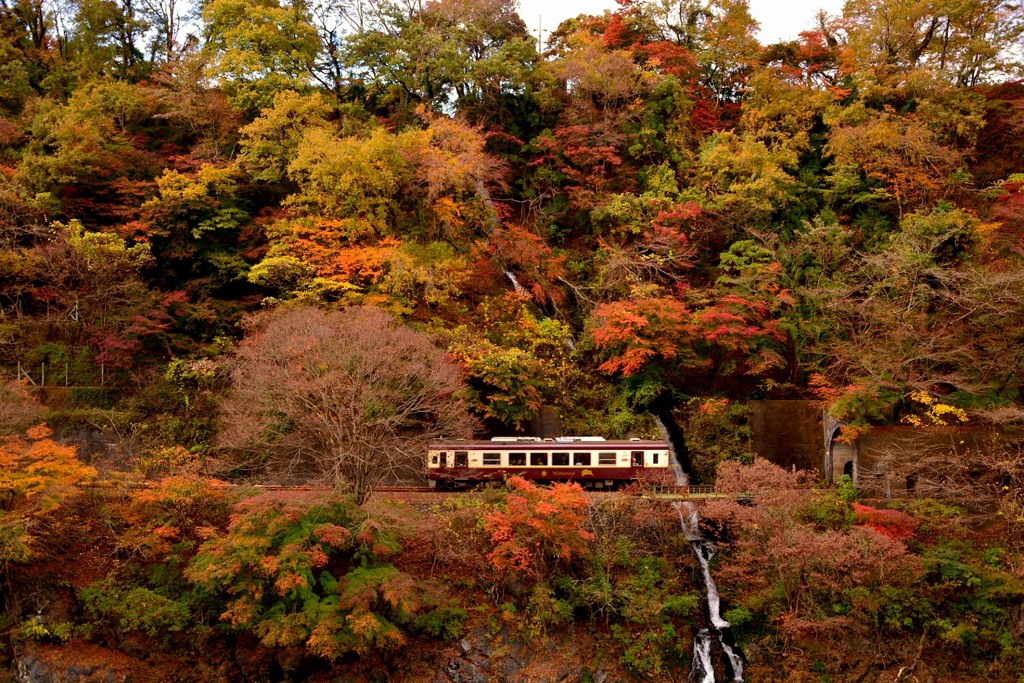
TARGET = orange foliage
(342,250)
(537,529)
(899,526)
(38,469)
(174,509)
(535,264)
(640,331)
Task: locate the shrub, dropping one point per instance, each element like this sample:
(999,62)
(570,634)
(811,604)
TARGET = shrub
(828,510)
(277,564)
(537,530)
(135,608)
(897,525)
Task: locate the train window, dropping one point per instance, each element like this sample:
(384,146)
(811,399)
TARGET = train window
(559,459)
(461,458)
(606,459)
(517,459)
(492,458)
(581,459)
(433,459)
(638,458)
(539,459)
(654,458)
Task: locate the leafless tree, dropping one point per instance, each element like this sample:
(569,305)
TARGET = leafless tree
(905,321)
(979,470)
(659,257)
(18,409)
(350,398)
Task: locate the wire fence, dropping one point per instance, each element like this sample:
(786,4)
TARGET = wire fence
(62,374)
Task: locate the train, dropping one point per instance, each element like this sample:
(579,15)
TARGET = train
(591,461)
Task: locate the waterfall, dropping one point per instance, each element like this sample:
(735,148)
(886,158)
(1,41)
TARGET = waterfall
(703,670)
(677,470)
(518,288)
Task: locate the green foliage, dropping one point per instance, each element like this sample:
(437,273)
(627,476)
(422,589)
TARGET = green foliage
(15,543)
(747,177)
(845,489)
(445,623)
(717,429)
(738,616)
(259,48)
(945,233)
(973,594)
(434,274)
(85,141)
(643,600)
(508,382)
(269,143)
(34,629)
(196,205)
(353,178)
(136,608)
(829,510)
(277,566)
(515,361)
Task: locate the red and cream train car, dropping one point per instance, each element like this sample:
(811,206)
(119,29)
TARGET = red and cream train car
(591,461)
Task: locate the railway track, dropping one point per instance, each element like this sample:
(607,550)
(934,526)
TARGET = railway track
(403,489)
(684,493)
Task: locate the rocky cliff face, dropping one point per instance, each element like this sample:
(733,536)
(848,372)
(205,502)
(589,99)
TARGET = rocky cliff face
(486,658)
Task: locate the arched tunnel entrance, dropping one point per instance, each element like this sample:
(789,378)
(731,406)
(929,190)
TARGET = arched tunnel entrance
(843,458)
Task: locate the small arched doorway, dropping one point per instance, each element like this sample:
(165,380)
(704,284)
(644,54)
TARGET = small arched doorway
(843,458)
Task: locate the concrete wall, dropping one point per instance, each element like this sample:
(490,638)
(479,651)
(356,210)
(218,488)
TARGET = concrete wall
(788,433)
(887,457)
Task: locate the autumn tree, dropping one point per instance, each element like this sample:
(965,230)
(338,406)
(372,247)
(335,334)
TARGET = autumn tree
(80,149)
(109,36)
(537,530)
(300,571)
(965,42)
(270,142)
(911,314)
(38,474)
(18,409)
(351,397)
(880,155)
(476,54)
(259,48)
(88,286)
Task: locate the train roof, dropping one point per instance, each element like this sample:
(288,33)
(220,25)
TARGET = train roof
(560,443)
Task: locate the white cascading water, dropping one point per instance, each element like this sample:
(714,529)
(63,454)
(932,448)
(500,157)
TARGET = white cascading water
(677,471)
(518,288)
(703,670)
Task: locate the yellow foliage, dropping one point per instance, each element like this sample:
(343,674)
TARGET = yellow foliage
(933,413)
(40,469)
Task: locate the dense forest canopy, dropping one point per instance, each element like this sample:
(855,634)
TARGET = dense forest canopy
(656,208)
(284,241)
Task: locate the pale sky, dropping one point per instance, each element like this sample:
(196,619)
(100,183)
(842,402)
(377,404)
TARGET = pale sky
(779,20)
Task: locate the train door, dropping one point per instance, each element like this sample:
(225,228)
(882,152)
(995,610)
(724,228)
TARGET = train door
(637,458)
(443,459)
